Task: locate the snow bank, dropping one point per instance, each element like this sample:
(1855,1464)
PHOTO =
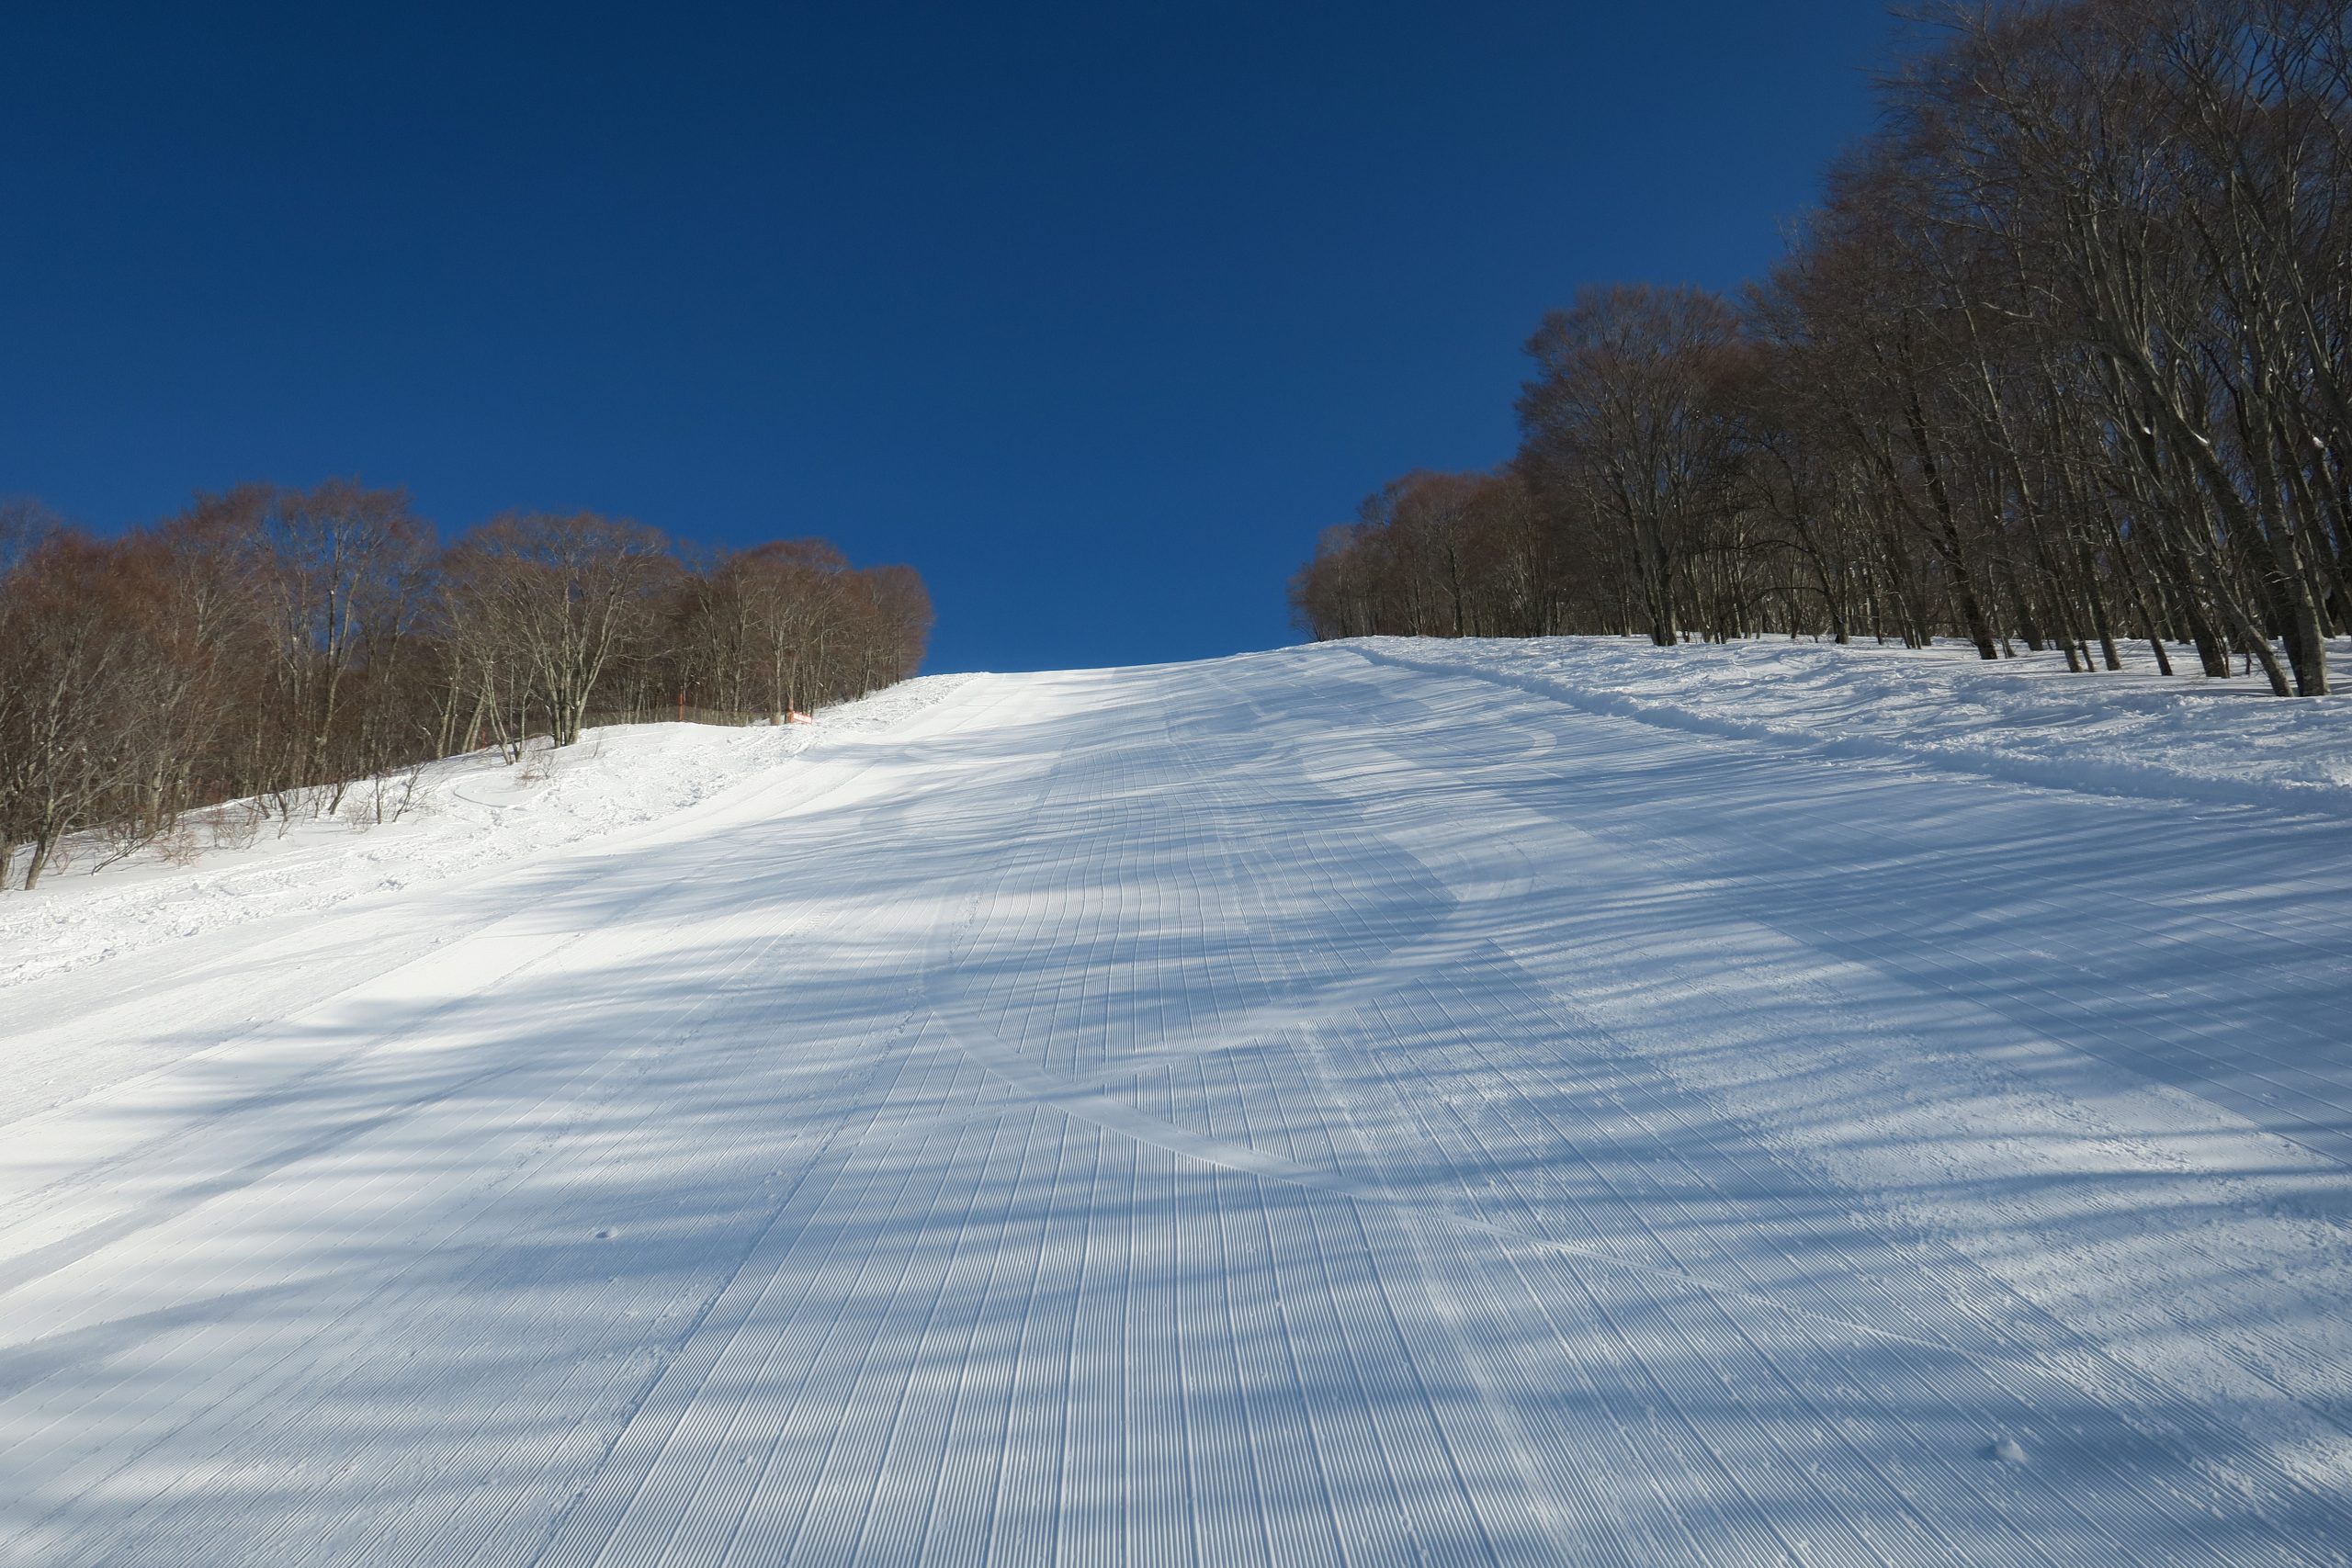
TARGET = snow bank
(2028,720)
(464,814)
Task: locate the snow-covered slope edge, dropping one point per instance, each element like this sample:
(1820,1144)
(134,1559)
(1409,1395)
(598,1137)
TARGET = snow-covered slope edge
(466,814)
(2027,721)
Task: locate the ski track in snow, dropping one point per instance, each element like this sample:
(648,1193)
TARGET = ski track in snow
(1372,1103)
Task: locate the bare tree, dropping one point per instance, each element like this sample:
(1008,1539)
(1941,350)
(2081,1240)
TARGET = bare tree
(555,602)
(1623,421)
(82,694)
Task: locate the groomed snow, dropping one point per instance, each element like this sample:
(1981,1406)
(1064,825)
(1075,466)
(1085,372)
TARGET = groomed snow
(1381,1102)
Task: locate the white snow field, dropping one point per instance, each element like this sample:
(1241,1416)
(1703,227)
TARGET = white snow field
(1383,1102)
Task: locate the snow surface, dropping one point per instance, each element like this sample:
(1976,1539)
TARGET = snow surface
(1381,1103)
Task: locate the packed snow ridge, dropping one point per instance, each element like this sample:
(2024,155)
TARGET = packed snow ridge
(1377,1102)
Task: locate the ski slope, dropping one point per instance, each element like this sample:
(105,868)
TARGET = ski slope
(1386,1102)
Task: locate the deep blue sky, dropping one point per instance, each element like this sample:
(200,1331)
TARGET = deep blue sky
(1094,313)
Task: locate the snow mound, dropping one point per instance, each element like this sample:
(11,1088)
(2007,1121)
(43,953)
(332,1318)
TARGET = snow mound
(460,815)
